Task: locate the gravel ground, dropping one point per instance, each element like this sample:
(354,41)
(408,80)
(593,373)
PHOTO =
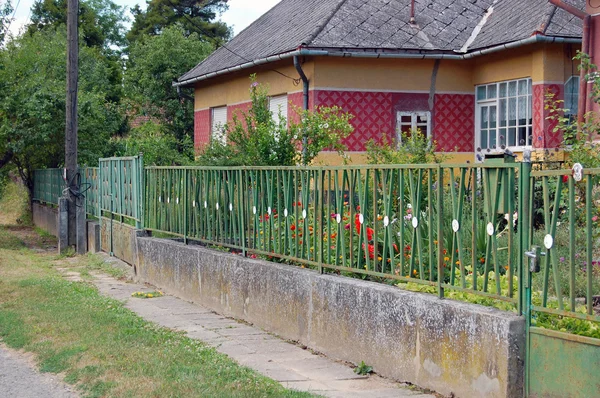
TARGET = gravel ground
(20,379)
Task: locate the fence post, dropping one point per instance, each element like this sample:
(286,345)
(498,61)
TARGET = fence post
(185,205)
(141,191)
(524,221)
(440,230)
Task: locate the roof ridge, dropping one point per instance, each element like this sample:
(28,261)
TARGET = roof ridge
(322,26)
(549,16)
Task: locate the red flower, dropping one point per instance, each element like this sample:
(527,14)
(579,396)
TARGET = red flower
(293,227)
(371,250)
(370,233)
(395,248)
(565,178)
(357,223)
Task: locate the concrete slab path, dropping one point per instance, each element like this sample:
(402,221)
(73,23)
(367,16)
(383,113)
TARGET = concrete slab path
(292,366)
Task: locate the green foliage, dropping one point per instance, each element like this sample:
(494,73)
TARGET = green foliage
(579,139)
(5,13)
(154,63)
(193,16)
(415,148)
(363,369)
(256,139)
(32,102)
(101,22)
(159,147)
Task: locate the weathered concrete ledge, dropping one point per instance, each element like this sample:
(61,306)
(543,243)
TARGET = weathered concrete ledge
(120,239)
(46,218)
(93,236)
(447,346)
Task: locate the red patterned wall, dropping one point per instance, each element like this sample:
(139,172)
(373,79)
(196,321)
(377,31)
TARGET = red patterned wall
(296,100)
(454,122)
(543,134)
(201,128)
(372,111)
(237,110)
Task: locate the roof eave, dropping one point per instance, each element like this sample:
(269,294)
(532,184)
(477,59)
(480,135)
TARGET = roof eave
(379,54)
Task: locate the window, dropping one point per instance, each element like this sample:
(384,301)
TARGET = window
(278,105)
(572,97)
(406,122)
(218,121)
(503,118)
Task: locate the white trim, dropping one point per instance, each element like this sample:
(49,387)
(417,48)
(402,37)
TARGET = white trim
(202,109)
(478,28)
(413,115)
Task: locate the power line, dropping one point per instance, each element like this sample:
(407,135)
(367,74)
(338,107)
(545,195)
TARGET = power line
(217,43)
(13,16)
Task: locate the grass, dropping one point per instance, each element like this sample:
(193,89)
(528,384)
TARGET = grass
(100,346)
(13,208)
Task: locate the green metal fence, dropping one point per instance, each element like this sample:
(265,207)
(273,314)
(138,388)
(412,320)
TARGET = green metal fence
(48,185)
(89,188)
(120,189)
(393,222)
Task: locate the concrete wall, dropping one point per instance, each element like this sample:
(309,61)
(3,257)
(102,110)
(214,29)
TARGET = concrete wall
(449,347)
(46,218)
(123,240)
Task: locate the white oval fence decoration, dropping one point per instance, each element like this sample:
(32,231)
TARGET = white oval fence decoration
(548,241)
(253,209)
(205,204)
(577,172)
(285,212)
(177,200)
(490,229)
(269,210)
(217,206)
(361,218)
(415,222)
(338,218)
(386,221)
(455,225)
(304,213)
(231,207)
(160,199)
(193,203)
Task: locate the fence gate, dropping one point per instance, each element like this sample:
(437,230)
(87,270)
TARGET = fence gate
(564,265)
(120,194)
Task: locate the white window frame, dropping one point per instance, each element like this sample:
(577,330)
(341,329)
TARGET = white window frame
(572,81)
(414,123)
(490,96)
(218,119)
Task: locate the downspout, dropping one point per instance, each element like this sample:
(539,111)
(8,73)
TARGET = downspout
(304,81)
(585,48)
(305,99)
(412,12)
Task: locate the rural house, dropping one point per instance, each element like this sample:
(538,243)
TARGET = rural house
(471,74)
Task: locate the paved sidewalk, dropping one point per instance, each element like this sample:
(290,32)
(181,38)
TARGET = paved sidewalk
(20,378)
(287,363)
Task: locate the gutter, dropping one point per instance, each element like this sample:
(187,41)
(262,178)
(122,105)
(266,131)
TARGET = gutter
(539,38)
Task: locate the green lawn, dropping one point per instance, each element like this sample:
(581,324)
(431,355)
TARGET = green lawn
(98,345)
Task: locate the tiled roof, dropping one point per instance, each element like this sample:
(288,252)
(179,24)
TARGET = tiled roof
(441,26)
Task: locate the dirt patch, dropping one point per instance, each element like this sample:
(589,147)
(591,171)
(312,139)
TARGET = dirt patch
(32,239)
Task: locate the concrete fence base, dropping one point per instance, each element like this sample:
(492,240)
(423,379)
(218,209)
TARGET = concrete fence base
(449,347)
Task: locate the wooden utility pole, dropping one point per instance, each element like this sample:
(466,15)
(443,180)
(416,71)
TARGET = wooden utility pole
(71,111)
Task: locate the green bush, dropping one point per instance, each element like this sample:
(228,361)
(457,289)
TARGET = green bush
(415,148)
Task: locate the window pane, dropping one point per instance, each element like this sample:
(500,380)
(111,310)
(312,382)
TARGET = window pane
(503,114)
(522,111)
(512,137)
(529,112)
(422,118)
(523,136)
(502,133)
(512,112)
(481,93)
(424,130)
(523,90)
(484,140)
(493,115)
(491,91)
(529,135)
(503,90)
(484,117)
(512,89)
(493,141)
(530,91)
(406,119)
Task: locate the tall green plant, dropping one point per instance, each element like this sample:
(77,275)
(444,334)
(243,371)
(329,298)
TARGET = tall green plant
(414,148)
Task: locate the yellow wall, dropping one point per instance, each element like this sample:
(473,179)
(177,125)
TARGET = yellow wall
(234,88)
(358,158)
(392,74)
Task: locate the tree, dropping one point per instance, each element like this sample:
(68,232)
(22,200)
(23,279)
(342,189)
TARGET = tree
(195,16)
(32,103)
(154,63)
(5,19)
(101,22)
